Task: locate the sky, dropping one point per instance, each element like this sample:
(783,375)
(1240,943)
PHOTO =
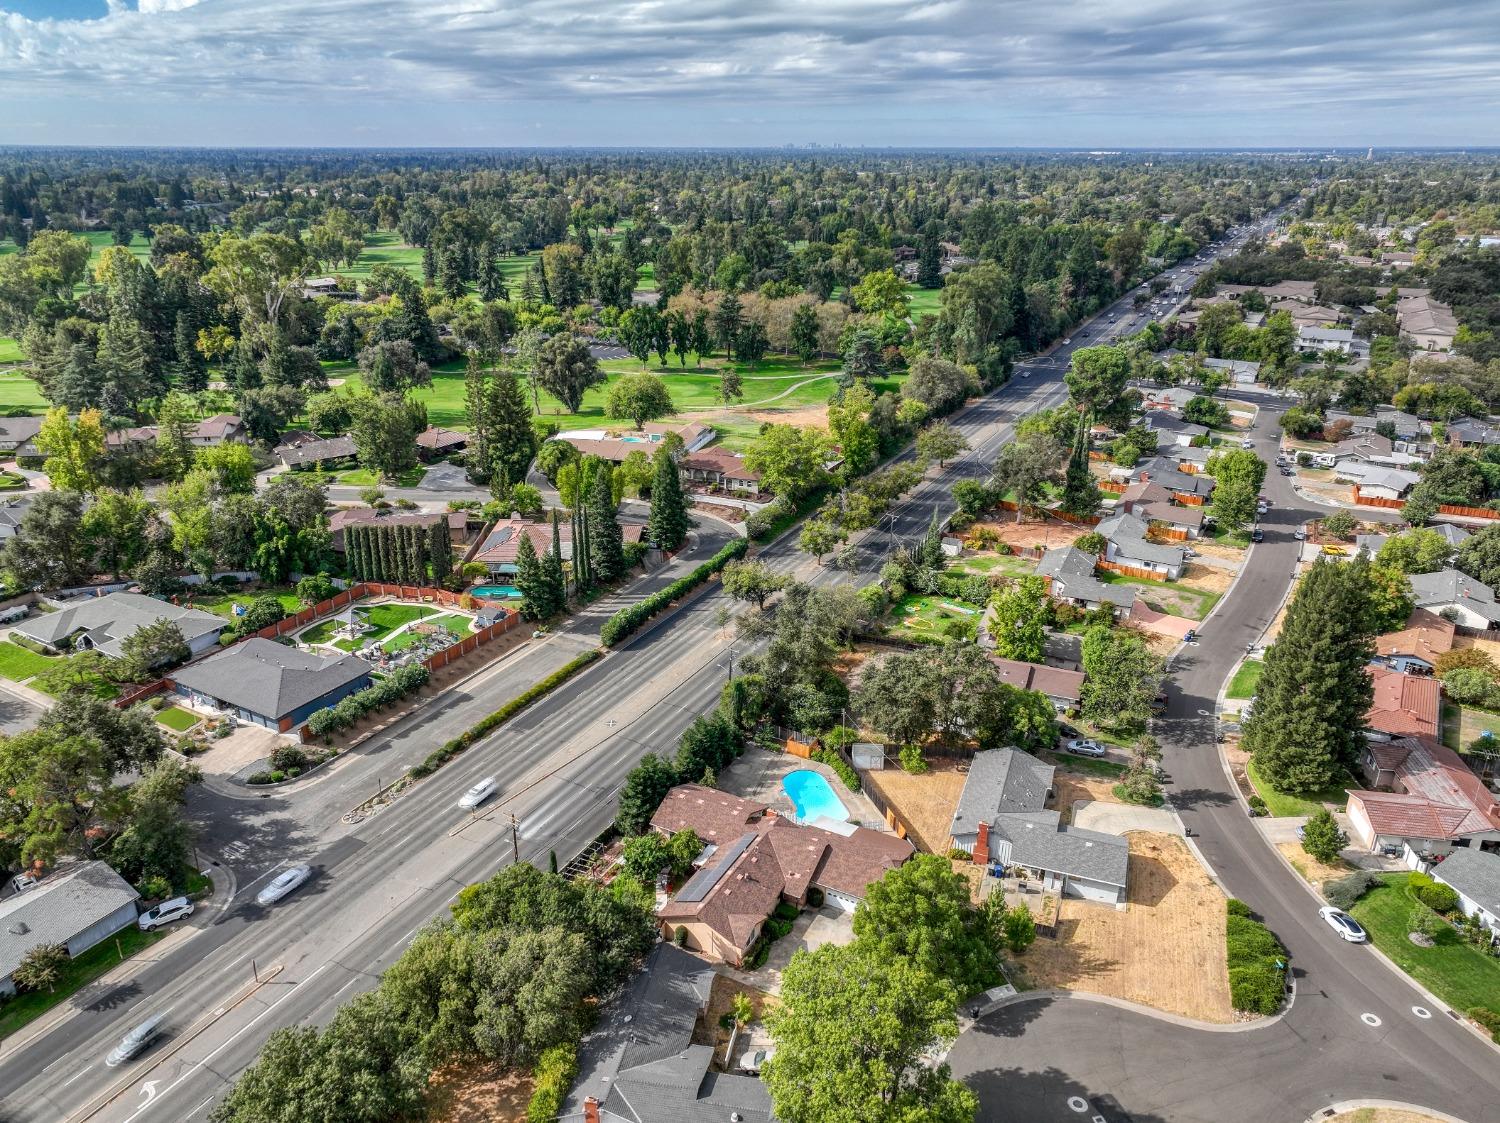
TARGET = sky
(942,73)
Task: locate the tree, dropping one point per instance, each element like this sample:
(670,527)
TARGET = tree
(751,580)
(512,439)
(882,293)
(1340,524)
(1019,928)
(939,385)
(385,434)
(1122,677)
(899,696)
(1309,715)
(668,522)
(46,549)
(941,442)
(1479,556)
(852,1032)
(728,318)
(1098,380)
(751,343)
(174,437)
(567,369)
(1301,423)
(72,449)
(921,912)
(230,466)
(1238,476)
(1019,620)
(1024,465)
(114,530)
(606,549)
(818,537)
(802,336)
(1321,837)
(1080,494)
(645,787)
(154,645)
(789,459)
(536,591)
(41,966)
(157,839)
(862,358)
(640,397)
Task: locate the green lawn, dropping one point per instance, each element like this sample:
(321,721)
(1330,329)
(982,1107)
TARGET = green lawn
(923,302)
(384,247)
(178,719)
(19,392)
(10,350)
(18,664)
(383,619)
(224,606)
(321,632)
(1282,805)
(1463,724)
(1246,678)
(1169,596)
(452,622)
(367,477)
(1456,973)
(987,563)
(76,974)
(923,617)
(1088,766)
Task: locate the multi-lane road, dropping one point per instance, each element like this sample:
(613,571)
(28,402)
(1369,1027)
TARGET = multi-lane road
(560,765)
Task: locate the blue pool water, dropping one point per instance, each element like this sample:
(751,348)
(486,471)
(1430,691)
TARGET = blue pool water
(812,797)
(495,592)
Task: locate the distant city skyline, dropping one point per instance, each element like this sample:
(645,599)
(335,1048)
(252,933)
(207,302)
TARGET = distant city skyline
(694,73)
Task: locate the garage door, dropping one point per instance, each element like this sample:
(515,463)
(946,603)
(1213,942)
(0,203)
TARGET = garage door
(1091,891)
(842,900)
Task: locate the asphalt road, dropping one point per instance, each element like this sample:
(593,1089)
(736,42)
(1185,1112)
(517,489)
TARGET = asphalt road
(1353,1030)
(560,765)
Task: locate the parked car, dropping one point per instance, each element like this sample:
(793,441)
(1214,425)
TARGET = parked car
(1285,471)
(136,1041)
(1247,443)
(178,908)
(283,883)
(1299,534)
(753,1061)
(1345,925)
(478,794)
(1066,730)
(1257,535)
(1084,746)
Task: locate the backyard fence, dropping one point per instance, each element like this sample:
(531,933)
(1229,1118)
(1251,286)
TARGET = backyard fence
(1129,571)
(423,593)
(1375,500)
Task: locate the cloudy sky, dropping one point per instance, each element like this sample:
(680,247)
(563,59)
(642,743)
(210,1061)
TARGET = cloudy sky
(1052,73)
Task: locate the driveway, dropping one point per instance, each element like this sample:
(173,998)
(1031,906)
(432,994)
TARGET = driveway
(811,930)
(1117,818)
(246,746)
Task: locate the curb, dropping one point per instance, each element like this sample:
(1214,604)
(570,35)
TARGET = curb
(1344,1106)
(1144,1011)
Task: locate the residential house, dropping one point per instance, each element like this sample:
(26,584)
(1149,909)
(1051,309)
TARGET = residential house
(639,1063)
(1469,603)
(1141,494)
(1303,291)
(1241,372)
(1475,876)
(343,517)
(1129,546)
(270,684)
(757,858)
(1468,432)
(616,445)
(18,432)
(1173,430)
(1427,323)
(1003,821)
(1070,574)
(1156,398)
(434,443)
(1369,447)
(1415,649)
(1311,340)
(1187,521)
(497,548)
(719,468)
(208,433)
(1375,482)
(1409,428)
(316,454)
(1190,459)
(77,907)
(1064,689)
(1452,534)
(1403,706)
(1185,487)
(104,624)
(12,511)
(1431,802)
(1314,316)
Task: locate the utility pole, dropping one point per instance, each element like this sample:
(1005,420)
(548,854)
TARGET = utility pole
(515,839)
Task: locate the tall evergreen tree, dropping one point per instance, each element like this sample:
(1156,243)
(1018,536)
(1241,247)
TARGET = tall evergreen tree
(668,524)
(531,580)
(930,261)
(480,452)
(1307,723)
(932,545)
(514,439)
(440,551)
(192,367)
(1080,493)
(605,541)
(552,569)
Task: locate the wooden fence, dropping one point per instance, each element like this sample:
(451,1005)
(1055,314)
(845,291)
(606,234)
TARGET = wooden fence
(887,812)
(1045,513)
(1468,512)
(424,593)
(1375,500)
(1168,533)
(1114,487)
(1129,571)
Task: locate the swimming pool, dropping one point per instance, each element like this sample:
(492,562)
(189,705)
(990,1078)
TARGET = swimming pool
(496,592)
(812,797)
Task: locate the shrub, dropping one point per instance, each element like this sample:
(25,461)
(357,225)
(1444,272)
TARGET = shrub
(1322,838)
(1256,982)
(912,760)
(258,778)
(777,928)
(632,616)
(556,1067)
(957,855)
(845,772)
(785,911)
(679,936)
(756,957)
(1422,921)
(1489,1019)
(155,888)
(1437,897)
(1345,891)
(1257,988)
(1236,907)
(815,898)
(759,523)
(1257,805)
(287,757)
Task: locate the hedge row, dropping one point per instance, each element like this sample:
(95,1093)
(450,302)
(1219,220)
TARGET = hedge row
(1256,983)
(553,1076)
(839,765)
(632,616)
(442,755)
(392,688)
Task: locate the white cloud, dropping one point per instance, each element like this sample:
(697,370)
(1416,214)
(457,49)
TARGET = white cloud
(1147,58)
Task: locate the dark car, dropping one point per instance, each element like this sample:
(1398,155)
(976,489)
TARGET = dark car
(1257,535)
(1159,705)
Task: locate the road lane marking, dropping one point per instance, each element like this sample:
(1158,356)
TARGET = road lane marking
(1421,1012)
(1370,1020)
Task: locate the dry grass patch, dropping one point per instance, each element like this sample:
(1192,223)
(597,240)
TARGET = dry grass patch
(1031,532)
(1206,578)
(1165,949)
(1069,787)
(1212,551)
(478,1093)
(925,803)
(1383,1115)
(1313,871)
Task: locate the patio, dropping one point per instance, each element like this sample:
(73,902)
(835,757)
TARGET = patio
(758,774)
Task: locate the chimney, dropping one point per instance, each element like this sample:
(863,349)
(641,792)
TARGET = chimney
(590,1110)
(982,845)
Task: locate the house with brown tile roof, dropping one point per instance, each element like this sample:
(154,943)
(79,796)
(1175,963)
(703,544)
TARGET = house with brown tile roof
(718,467)
(1434,802)
(754,860)
(433,442)
(1404,705)
(1063,688)
(1416,647)
(497,548)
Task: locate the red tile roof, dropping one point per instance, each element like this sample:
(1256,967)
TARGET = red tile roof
(1404,705)
(719,460)
(434,438)
(1051,681)
(1437,795)
(1426,636)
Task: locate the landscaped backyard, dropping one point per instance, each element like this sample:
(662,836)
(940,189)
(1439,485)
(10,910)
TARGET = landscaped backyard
(382,620)
(224,605)
(1284,804)
(453,623)
(1464,724)
(987,563)
(925,618)
(1170,597)
(1456,973)
(177,719)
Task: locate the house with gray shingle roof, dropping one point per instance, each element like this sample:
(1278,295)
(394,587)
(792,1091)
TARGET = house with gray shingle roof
(270,684)
(1129,546)
(104,623)
(1003,821)
(1472,602)
(1071,573)
(77,907)
(1475,876)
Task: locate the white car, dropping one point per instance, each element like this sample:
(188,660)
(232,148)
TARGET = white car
(1299,534)
(283,883)
(1345,925)
(178,908)
(136,1041)
(1067,341)
(753,1061)
(478,794)
(1083,746)
(1247,443)
(1025,374)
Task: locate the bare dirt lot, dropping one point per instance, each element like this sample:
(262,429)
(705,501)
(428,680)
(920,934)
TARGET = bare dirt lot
(925,803)
(1217,551)
(707,1031)
(1069,787)
(1165,949)
(1313,871)
(479,1093)
(1032,532)
(1206,578)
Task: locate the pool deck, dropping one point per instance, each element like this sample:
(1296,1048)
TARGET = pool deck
(757,775)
